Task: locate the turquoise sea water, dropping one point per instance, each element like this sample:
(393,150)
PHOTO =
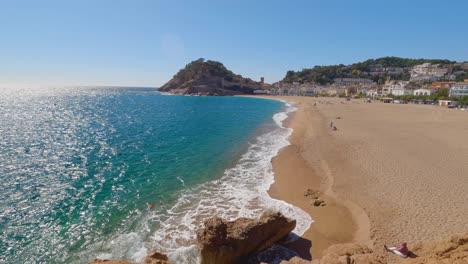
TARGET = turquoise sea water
(78,167)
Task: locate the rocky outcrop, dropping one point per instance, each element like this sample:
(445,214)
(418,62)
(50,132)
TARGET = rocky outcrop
(107,261)
(252,241)
(202,77)
(453,250)
(227,242)
(156,258)
(153,258)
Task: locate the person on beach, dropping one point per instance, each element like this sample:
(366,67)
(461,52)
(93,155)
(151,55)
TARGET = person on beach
(331,124)
(401,250)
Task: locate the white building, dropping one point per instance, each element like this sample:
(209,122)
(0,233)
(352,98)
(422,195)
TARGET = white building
(422,92)
(428,72)
(348,81)
(459,89)
(293,91)
(373,93)
(276,91)
(396,88)
(306,91)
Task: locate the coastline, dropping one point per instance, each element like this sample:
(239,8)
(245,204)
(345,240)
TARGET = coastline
(300,166)
(383,183)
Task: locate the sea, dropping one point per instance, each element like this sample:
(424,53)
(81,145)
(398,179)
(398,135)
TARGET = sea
(116,172)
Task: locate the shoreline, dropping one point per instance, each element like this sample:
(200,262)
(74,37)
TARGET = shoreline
(382,182)
(299,167)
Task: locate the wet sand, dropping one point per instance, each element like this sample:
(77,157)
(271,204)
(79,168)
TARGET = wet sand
(390,173)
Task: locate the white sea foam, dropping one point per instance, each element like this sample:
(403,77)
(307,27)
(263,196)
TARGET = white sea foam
(240,192)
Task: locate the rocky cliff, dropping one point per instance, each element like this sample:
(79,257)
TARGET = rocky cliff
(227,242)
(255,241)
(202,77)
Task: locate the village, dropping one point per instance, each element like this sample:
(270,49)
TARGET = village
(428,84)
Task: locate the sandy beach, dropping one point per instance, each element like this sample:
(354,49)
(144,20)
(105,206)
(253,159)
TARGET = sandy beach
(390,173)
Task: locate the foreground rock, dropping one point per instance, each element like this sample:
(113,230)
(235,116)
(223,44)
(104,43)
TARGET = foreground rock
(107,261)
(156,258)
(153,258)
(227,242)
(351,253)
(453,250)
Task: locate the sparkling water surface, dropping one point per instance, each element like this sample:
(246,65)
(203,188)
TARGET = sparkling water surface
(78,167)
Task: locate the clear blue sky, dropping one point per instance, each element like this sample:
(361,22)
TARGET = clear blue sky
(103,42)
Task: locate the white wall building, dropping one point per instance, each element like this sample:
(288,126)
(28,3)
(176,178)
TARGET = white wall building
(427,72)
(396,88)
(422,92)
(459,89)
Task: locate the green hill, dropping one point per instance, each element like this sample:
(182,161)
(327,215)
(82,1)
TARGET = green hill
(394,68)
(209,78)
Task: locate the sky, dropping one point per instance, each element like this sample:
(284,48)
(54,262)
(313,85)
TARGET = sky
(144,43)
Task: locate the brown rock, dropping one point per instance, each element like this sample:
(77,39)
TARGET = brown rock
(228,242)
(451,250)
(318,202)
(156,258)
(296,260)
(348,249)
(107,261)
(153,258)
(368,259)
(314,194)
(342,253)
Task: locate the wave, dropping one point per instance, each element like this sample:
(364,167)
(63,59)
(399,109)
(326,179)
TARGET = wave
(242,191)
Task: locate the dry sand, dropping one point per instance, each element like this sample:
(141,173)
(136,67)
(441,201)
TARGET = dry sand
(390,173)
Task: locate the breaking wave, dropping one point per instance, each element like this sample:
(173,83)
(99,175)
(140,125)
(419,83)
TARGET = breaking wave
(242,191)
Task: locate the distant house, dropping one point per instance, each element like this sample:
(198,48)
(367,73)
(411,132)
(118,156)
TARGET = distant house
(348,81)
(459,89)
(438,85)
(260,92)
(420,92)
(372,93)
(276,91)
(428,72)
(293,91)
(448,103)
(395,88)
(386,100)
(306,91)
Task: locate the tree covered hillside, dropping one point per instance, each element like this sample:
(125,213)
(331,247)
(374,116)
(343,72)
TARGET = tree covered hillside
(375,69)
(209,77)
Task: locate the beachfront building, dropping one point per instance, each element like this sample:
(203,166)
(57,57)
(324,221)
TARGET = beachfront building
(448,103)
(395,88)
(276,91)
(320,90)
(306,91)
(350,81)
(420,92)
(373,93)
(293,91)
(260,92)
(458,90)
(439,85)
